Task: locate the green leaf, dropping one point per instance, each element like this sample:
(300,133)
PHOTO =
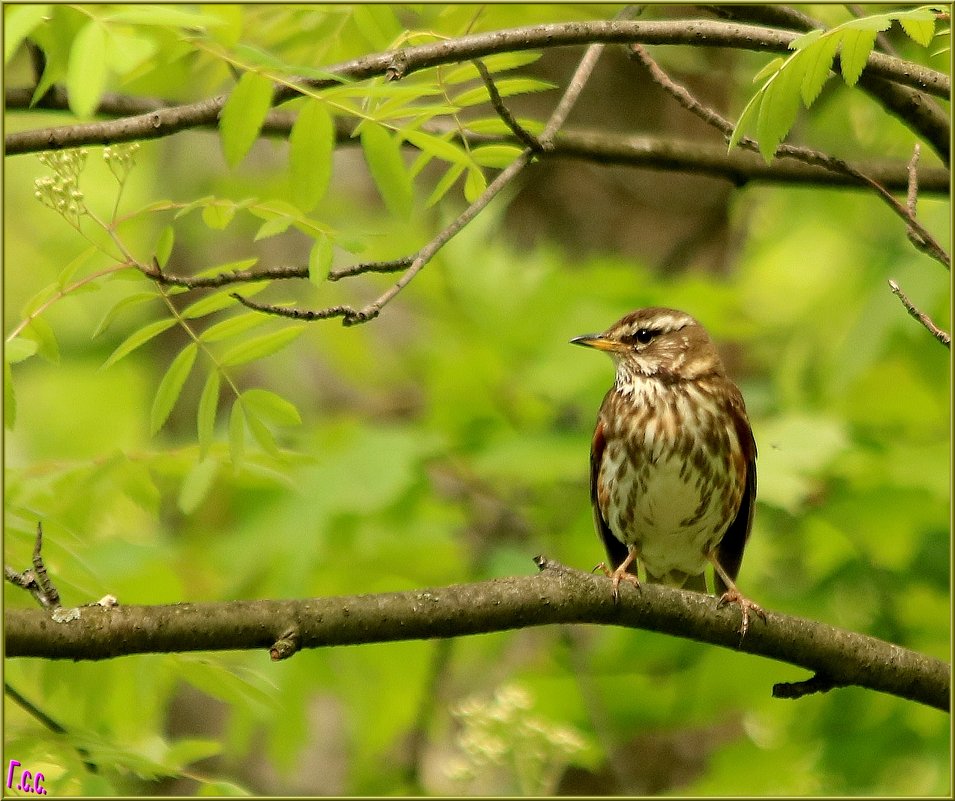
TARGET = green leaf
(818,65)
(163,249)
(873,23)
(498,62)
(745,121)
(261,346)
(779,107)
(436,146)
(40,299)
(71,269)
(137,339)
(125,52)
(274,227)
(237,433)
(496,156)
(806,39)
(474,184)
(206,415)
(271,407)
(41,332)
(771,68)
(497,126)
(446,182)
(120,305)
(243,114)
(377,23)
(19,23)
(320,259)
(383,156)
(218,215)
(856,46)
(918,28)
(196,485)
(260,431)
(19,349)
(211,303)
(171,386)
(193,205)
(505,88)
(86,72)
(311,145)
(233,326)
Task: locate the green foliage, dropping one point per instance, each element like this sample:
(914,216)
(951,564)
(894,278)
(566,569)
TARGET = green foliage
(802,75)
(243,114)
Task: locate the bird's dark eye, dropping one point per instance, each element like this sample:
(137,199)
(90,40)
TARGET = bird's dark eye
(643,335)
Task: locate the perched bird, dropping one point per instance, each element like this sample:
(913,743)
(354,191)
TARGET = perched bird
(673,459)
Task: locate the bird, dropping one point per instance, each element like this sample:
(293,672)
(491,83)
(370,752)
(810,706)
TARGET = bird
(673,458)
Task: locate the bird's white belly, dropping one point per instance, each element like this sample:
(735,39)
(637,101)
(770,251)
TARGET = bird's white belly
(663,511)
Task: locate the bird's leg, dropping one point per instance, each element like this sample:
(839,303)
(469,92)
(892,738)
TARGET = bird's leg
(621,573)
(734,596)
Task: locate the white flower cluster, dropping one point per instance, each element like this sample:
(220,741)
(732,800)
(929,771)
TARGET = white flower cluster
(61,191)
(121,159)
(500,732)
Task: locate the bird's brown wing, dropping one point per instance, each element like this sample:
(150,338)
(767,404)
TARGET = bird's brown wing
(616,550)
(729,553)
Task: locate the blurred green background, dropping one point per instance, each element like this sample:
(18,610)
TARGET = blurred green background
(447,441)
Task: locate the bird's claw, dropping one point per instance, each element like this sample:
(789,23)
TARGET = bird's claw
(733,596)
(616,576)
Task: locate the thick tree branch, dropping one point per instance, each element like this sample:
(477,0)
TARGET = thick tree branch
(556,595)
(659,153)
(398,64)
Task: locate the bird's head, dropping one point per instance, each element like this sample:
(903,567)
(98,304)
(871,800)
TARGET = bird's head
(657,342)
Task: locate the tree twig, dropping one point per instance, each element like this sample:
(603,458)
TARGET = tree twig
(557,594)
(35,580)
(942,336)
(223,279)
(525,136)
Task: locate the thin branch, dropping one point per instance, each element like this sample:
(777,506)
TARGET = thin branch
(392,266)
(398,64)
(922,238)
(922,317)
(35,580)
(911,196)
(555,595)
(222,279)
(295,313)
(525,136)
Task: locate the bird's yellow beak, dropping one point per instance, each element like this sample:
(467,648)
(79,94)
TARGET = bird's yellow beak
(598,341)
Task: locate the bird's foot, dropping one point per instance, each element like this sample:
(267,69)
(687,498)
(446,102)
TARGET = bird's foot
(618,575)
(734,596)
